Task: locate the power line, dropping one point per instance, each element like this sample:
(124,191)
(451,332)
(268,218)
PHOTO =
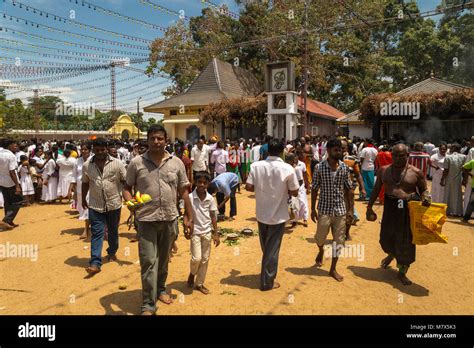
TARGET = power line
(347,7)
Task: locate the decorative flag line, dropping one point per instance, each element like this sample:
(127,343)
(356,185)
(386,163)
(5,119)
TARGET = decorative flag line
(163,9)
(68,43)
(81,54)
(17,60)
(54,78)
(128,88)
(71,34)
(55,56)
(75,23)
(142,95)
(106,84)
(23,69)
(118,15)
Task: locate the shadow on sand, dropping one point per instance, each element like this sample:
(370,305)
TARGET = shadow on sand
(251,281)
(122,302)
(388,276)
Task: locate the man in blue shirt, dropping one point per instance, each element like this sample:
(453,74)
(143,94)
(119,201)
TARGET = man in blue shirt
(264,148)
(225,185)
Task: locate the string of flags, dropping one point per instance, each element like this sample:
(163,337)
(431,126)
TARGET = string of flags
(54,78)
(20,88)
(66,43)
(16,60)
(119,15)
(68,33)
(98,79)
(127,89)
(75,53)
(142,95)
(74,22)
(107,84)
(26,70)
(180,14)
(38,52)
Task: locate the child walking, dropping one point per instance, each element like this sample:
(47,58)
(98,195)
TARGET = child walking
(35,177)
(205,230)
(26,182)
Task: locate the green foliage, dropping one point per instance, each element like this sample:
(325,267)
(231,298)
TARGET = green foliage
(381,57)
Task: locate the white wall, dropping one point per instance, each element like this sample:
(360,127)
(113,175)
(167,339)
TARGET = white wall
(360,130)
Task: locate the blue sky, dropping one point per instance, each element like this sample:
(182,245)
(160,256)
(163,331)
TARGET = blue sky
(130,85)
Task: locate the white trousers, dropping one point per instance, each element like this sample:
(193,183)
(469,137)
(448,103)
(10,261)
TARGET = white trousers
(200,253)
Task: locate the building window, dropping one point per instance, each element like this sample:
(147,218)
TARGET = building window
(173,112)
(314,131)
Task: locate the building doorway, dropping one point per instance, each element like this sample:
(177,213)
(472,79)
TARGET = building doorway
(192,134)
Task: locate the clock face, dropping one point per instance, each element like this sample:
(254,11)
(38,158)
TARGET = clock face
(280,79)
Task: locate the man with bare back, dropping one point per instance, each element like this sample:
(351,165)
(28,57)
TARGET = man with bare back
(403,182)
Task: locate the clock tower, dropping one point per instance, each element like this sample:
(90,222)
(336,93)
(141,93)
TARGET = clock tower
(282,109)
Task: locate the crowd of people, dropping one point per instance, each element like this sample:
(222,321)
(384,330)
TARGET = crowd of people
(97,176)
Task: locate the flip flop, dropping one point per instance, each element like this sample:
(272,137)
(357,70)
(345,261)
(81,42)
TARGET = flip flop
(170,301)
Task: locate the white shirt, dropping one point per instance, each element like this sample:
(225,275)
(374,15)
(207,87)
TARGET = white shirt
(302,169)
(38,160)
(200,158)
(66,166)
(220,157)
(368,154)
(355,150)
(470,155)
(49,169)
(31,148)
(7,162)
(202,211)
(299,173)
(19,154)
(272,179)
(123,154)
(255,153)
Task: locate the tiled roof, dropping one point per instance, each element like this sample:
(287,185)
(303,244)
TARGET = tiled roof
(430,85)
(320,108)
(218,80)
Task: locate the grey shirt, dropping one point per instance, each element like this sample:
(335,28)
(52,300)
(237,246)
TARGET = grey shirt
(161,183)
(104,188)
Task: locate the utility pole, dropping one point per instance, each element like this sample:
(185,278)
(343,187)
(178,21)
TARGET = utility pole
(36,107)
(305,71)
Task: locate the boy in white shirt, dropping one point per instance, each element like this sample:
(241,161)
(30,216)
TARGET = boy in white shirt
(205,230)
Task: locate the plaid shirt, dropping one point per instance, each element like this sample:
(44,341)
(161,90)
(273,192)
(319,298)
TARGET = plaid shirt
(331,201)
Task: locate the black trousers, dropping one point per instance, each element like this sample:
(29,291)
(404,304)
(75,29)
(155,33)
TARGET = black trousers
(12,203)
(270,242)
(233,202)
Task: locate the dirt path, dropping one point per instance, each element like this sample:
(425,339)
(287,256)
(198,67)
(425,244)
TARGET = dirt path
(55,283)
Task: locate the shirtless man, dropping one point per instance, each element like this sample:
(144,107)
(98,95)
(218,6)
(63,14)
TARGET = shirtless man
(402,182)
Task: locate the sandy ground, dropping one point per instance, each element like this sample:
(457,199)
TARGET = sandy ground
(56,283)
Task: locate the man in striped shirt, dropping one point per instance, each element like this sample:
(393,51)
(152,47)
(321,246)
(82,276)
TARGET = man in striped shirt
(419,159)
(102,177)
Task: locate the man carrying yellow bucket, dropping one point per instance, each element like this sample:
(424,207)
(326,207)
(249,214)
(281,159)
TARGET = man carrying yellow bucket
(402,181)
